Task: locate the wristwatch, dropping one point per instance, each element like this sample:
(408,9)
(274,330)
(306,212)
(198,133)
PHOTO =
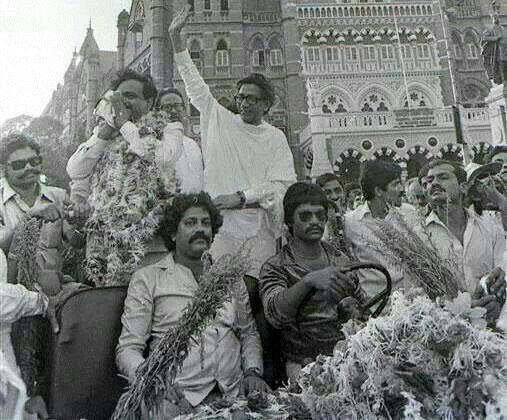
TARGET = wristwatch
(253,372)
(242,198)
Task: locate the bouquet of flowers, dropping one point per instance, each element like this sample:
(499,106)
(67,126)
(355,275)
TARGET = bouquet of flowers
(129,190)
(423,360)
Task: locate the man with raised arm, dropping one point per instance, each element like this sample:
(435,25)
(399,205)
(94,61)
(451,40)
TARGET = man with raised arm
(248,162)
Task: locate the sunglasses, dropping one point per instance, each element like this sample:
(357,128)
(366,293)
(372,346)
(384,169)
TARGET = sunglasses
(21,164)
(170,107)
(306,216)
(250,99)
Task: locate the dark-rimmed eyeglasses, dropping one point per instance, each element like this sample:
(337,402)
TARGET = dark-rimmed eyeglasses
(21,164)
(250,99)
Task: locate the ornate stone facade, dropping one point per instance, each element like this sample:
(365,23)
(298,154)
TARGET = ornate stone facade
(379,82)
(87,77)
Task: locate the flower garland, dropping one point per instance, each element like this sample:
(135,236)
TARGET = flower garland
(216,285)
(423,360)
(128,195)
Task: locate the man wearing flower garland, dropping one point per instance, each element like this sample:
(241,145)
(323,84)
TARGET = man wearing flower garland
(476,244)
(167,162)
(157,296)
(248,163)
(304,285)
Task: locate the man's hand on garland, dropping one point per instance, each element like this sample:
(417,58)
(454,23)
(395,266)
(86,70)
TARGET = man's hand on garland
(496,285)
(78,212)
(175,403)
(48,212)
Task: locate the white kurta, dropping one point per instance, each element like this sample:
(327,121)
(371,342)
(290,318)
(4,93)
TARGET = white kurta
(240,157)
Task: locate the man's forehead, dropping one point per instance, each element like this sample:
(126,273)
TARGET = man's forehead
(171,98)
(250,89)
(131,85)
(331,185)
(309,207)
(195,211)
(440,169)
(24,153)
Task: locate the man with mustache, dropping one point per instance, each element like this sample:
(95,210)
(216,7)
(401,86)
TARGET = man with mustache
(157,296)
(22,196)
(383,190)
(134,97)
(303,285)
(476,244)
(336,195)
(248,163)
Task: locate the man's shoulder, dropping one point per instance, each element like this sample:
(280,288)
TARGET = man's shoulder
(277,259)
(54,193)
(357,214)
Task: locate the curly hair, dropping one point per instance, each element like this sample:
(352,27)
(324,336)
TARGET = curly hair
(377,173)
(459,171)
(175,211)
(302,193)
(13,142)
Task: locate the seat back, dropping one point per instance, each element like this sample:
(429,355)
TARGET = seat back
(84,381)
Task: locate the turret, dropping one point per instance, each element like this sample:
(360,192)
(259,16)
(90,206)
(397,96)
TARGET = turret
(122,25)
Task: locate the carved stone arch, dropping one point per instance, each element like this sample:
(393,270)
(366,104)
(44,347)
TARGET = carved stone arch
(416,158)
(348,165)
(426,97)
(471,35)
(474,91)
(311,37)
(335,100)
(452,152)
(387,154)
(256,39)
(380,94)
(221,44)
(480,152)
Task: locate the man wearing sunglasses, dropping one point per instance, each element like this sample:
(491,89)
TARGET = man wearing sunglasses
(21,193)
(248,163)
(303,286)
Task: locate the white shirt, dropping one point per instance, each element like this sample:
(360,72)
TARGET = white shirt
(188,159)
(255,159)
(156,299)
(482,249)
(358,229)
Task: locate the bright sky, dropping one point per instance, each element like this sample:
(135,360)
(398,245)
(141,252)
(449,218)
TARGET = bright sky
(37,38)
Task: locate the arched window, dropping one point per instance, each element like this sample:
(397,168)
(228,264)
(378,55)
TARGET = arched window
(222,54)
(258,53)
(195,53)
(275,53)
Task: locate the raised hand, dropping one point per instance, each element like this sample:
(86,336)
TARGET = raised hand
(176,26)
(180,20)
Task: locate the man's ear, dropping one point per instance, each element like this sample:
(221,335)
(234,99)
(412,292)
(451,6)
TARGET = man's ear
(379,192)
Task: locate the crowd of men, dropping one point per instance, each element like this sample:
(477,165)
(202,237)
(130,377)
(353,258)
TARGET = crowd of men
(233,187)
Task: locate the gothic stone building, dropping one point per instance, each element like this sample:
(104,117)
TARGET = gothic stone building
(227,39)
(87,77)
(379,84)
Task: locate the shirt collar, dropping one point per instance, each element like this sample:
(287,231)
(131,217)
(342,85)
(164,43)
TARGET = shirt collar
(166,263)
(433,218)
(8,192)
(362,211)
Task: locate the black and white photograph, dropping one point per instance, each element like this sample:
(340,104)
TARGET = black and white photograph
(253,209)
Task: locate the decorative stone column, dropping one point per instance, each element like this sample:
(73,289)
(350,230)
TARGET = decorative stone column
(161,51)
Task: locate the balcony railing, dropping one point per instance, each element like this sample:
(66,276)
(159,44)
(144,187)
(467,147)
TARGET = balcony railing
(403,118)
(261,17)
(335,67)
(364,10)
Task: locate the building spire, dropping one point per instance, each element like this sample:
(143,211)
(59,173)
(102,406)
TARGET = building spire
(90,24)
